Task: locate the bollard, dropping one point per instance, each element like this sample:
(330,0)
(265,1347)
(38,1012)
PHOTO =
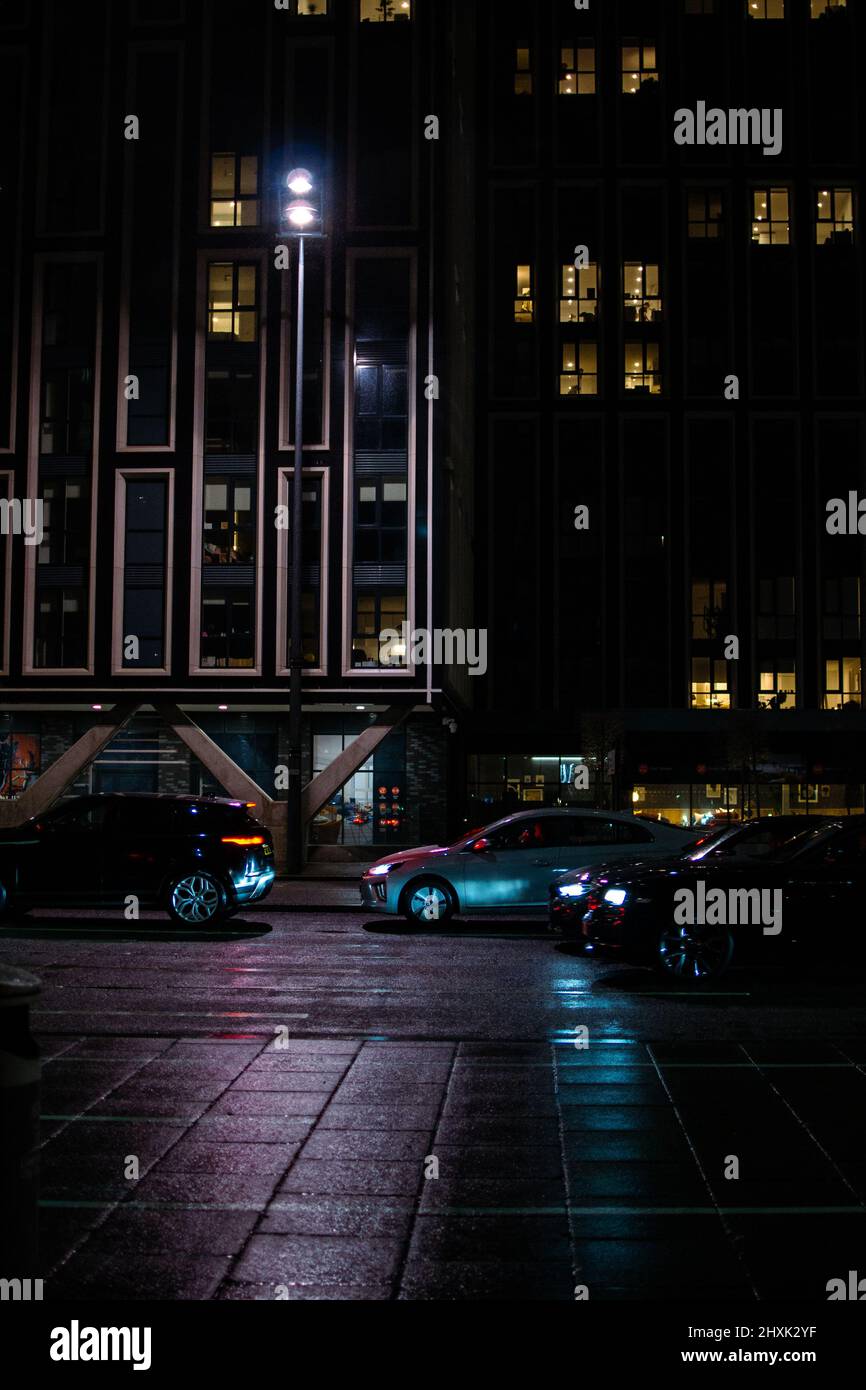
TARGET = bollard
(19,1126)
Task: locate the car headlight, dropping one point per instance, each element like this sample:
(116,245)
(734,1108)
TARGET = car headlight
(380,869)
(616,896)
(571,890)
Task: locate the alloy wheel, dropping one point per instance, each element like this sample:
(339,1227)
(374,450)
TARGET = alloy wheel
(195,899)
(694,955)
(428,903)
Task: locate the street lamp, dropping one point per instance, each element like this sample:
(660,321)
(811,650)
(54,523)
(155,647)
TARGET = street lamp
(303,218)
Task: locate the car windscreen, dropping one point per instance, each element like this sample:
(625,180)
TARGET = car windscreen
(807,840)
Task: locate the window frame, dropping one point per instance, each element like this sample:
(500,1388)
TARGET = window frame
(124,477)
(284,481)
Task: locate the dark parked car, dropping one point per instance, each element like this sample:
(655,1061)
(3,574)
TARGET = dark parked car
(199,858)
(747,840)
(766,906)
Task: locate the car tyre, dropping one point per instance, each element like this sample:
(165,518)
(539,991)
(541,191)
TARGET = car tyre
(428,900)
(692,955)
(196,899)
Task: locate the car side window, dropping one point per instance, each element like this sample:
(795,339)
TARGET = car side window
(848,848)
(136,817)
(78,819)
(576,831)
(629,834)
(523,834)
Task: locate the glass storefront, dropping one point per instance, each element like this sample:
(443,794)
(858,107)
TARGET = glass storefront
(371,808)
(498,783)
(715,804)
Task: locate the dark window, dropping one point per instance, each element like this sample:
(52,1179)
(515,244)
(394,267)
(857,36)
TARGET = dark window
(61,627)
(144,573)
(231,411)
(381,408)
(65,521)
(227,634)
(380,521)
(705,215)
(311,590)
(67,411)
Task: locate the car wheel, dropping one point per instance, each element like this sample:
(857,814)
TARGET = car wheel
(691,954)
(428,900)
(196,899)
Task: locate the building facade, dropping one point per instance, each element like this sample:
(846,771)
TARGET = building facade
(674,393)
(148,301)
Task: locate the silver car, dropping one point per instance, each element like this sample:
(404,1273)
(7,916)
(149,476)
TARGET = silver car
(510,865)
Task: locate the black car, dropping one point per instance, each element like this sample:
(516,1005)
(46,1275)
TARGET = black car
(747,840)
(689,919)
(199,858)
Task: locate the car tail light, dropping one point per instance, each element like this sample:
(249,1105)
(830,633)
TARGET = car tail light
(243,839)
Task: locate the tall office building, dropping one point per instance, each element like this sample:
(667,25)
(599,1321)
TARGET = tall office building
(147,340)
(671,332)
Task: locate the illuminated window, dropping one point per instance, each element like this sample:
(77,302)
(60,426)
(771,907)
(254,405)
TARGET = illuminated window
(234,190)
(765,9)
(577,72)
(710,684)
(709,608)
(842,683)
(777,689)
(835,216)
(228,537)
(641,293)
(579,302)
(642,371)
(232,301)
(771,224)
(522,73)
(579,370)
(312,7)
(384,11)
(374,613)
(638,66)
(524,308)
(705,213)
(822,7)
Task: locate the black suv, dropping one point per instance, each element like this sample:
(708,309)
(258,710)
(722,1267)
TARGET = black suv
(199,858)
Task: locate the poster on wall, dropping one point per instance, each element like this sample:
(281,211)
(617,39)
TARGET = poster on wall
(19,763)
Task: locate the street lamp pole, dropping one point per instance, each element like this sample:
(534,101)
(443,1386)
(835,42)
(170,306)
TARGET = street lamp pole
(295,845)
(302,214)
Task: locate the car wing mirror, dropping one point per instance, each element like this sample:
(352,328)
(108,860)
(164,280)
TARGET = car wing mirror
(479,846)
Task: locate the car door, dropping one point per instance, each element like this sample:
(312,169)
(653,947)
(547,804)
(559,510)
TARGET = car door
(67,863)
(514,869)
(137,833)
(826,884)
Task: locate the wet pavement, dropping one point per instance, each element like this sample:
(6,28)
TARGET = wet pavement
(321,1106)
